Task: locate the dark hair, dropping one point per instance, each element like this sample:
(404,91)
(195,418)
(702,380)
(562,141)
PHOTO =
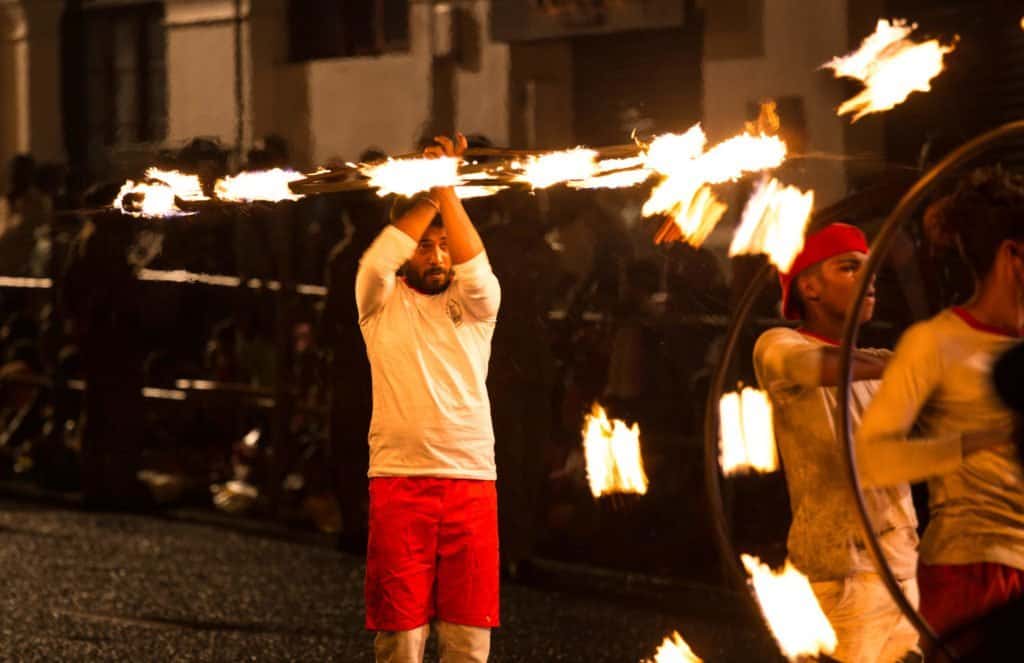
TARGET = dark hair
(985,209)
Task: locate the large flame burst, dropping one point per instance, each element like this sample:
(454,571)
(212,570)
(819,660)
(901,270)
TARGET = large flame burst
(890,66)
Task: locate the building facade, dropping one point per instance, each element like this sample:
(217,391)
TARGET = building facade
(108,82)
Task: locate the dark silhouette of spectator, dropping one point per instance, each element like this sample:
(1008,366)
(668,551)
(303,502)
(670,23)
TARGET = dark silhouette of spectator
(521,376)
(26,210)
(348,367)
(102,296)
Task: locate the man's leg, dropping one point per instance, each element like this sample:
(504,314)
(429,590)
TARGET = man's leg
(401,646)
(864,618)
(903,643)
(457,643)
(468,574)
(400,564)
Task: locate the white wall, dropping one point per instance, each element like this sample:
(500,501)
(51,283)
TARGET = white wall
(482,96)
(201,70)
(799,36)
(382,101)
(30,104)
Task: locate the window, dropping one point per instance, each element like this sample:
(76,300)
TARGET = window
(125,75)
(321,29)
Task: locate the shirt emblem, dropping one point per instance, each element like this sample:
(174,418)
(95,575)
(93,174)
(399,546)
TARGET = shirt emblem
(455,312)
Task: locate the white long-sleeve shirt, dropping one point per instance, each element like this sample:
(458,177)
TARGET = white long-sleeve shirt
(825,540)
(939,382)
(428,359)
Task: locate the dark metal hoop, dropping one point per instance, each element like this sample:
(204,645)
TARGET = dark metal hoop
(851,327)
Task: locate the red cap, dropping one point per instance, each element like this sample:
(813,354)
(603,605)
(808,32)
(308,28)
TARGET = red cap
(832,240)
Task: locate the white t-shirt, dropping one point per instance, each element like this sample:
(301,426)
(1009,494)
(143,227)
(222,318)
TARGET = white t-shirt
(825,540)
(428,358)
(937,387)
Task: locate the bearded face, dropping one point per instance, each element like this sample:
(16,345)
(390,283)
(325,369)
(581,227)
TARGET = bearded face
(429,270)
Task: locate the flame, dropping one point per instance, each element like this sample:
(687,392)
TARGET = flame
(407,177)
(687,169)
(675,650)
(157,200)
(615,174)
(672,153)
(767,121)
(890,66)
(773,223)
(547,170)
(693,211)
(791,610)
(614,463)
(468,191)
(186,187)
(741,154)
(747,435)
(249,186)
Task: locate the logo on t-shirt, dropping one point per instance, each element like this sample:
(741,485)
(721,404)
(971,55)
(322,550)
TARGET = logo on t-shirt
(455,312)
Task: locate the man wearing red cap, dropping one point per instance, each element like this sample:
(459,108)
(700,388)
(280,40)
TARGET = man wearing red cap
(799,369)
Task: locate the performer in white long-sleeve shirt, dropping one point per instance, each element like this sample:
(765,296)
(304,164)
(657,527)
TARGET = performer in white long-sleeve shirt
(799,369)
(937,417)
(433,545)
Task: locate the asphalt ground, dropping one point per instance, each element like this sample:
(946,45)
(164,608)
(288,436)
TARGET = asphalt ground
(88,586)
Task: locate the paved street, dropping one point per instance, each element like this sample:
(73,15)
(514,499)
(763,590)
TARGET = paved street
(110,587)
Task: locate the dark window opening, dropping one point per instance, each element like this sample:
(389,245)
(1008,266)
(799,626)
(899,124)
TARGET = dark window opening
(125,75)
(320,29)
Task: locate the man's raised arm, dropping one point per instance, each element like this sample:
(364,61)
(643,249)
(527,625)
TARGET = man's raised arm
(375,280)
(477,286)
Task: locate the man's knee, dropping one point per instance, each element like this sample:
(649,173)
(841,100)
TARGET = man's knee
(401,646)
(458,643)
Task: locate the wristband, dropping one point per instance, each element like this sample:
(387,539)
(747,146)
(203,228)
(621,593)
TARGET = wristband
(433,203)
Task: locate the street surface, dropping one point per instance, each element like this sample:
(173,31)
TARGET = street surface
(81,586)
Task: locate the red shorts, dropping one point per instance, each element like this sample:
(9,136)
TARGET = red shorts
(433,552)
(955,594)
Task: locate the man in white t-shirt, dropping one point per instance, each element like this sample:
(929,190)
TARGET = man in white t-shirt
(799,369)
(433,545)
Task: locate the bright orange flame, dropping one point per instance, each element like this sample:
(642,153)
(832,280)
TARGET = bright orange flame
(615,174)
(546,170)
(675,650)
(185,186)
(773,223)
(695,211)
(767,121)
(890,66)
(468,191)
(157,200)
(791,610)
(614,463)
(407,177)
(746,436)
(686,168)
(267,185)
